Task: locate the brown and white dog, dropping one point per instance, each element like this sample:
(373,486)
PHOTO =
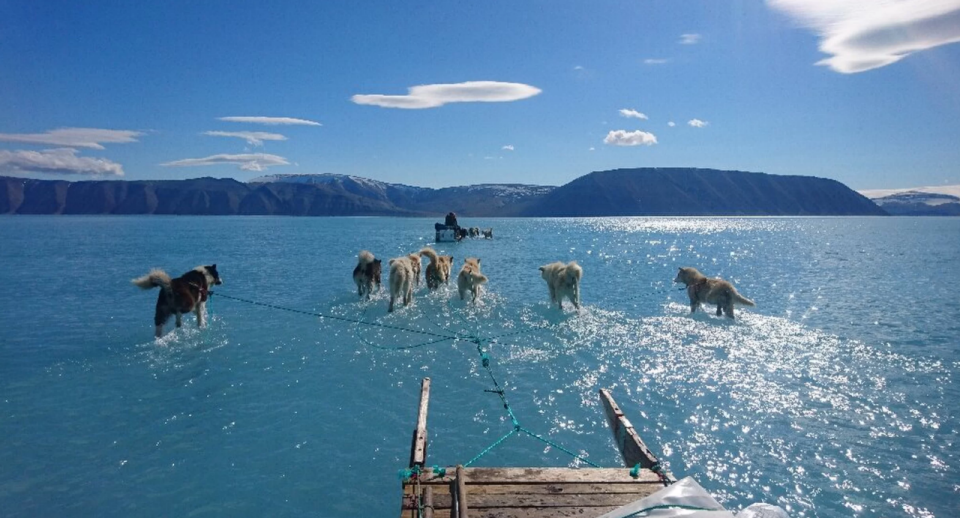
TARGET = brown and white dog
(439,268)
(487,233)
(712,291)
(404,273)
(367,273)
(181,295)
(470,278)
(563,280)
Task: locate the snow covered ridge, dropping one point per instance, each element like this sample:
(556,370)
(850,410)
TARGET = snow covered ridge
(511,191)
(927,195)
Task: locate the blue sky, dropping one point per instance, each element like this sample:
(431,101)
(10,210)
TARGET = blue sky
(96,89)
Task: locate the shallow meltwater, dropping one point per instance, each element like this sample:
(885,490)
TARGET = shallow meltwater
(825,399)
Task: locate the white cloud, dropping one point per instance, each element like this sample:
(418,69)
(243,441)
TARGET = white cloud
(697,123)
(247,161)
(92,138)
(655,61)
(861,36)
(625,112)
(630,138)
(592,148)
(254,138)
(671,124)
(690,39)
(272,121)
(432,96)
(508,147)
(59,161)
(578,67)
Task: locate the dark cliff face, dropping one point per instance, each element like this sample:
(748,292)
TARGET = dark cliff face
(633,192)
(700,192)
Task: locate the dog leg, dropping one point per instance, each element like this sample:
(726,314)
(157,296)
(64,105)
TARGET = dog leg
(159,330)
(730,309)
(693,306)
(718,310)
(200,310)
(392,299)
(179,319)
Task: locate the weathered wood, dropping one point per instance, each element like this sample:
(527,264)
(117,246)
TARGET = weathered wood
(428,502)
(551,475)
(418,450)
(533,488)
(633,450)
(461,493)
(547,512)
(481,501)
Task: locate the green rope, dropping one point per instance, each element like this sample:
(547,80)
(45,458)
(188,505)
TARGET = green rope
(488,448)
(333,317)
(393,347)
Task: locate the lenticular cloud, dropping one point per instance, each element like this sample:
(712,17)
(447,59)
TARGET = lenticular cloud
(861,35)
(630,138)
(433,96)
(56,161)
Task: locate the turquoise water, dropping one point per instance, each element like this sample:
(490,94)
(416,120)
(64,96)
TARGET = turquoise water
(835,396)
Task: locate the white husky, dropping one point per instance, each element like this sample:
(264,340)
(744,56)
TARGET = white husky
(402,278)
(563,280)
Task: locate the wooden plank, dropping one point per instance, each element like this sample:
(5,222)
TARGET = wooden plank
(461,493)
(633,450)
(556,475)
(418,449)
(428,502)
(479,502)
(559,488)
(548,512)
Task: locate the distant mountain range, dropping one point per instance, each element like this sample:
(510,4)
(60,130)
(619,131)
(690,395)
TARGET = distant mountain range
(622,192)
(918,201)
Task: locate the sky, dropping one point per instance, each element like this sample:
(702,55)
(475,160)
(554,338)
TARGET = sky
(455,93)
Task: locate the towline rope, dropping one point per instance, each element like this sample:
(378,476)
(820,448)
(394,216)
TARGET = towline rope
(333,317)
(484,361)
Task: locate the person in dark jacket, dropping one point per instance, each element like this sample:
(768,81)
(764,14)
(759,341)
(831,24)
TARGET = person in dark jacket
(451,220)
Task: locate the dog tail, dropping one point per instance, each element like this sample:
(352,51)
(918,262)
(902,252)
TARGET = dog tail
(365,257)
(431,254)
(156,277)
(573,272)
(479,278)
(740,299)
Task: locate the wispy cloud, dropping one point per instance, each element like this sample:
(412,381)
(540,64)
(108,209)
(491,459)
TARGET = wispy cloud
(246,161)
(592,148)
(690,38)
(862,36)
(59,161)
(508,147)
(432,96)
(254,138)
(272,121)
(578,67)
(655,61)
(697,123)
(671,124)
(92,138)
(630,113)
(630,138)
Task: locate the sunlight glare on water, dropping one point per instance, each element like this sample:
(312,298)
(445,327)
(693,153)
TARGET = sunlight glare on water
(829,398)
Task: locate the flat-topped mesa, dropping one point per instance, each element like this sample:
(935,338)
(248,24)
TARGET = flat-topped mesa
(622,192)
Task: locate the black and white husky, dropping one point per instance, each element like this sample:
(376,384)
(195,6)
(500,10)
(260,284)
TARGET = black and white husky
(181,295)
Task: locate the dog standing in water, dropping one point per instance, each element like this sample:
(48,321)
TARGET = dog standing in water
(439,268)
(402,278)
(702,289)
(367,273)
(563,280)
(470,279)
(181,295)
